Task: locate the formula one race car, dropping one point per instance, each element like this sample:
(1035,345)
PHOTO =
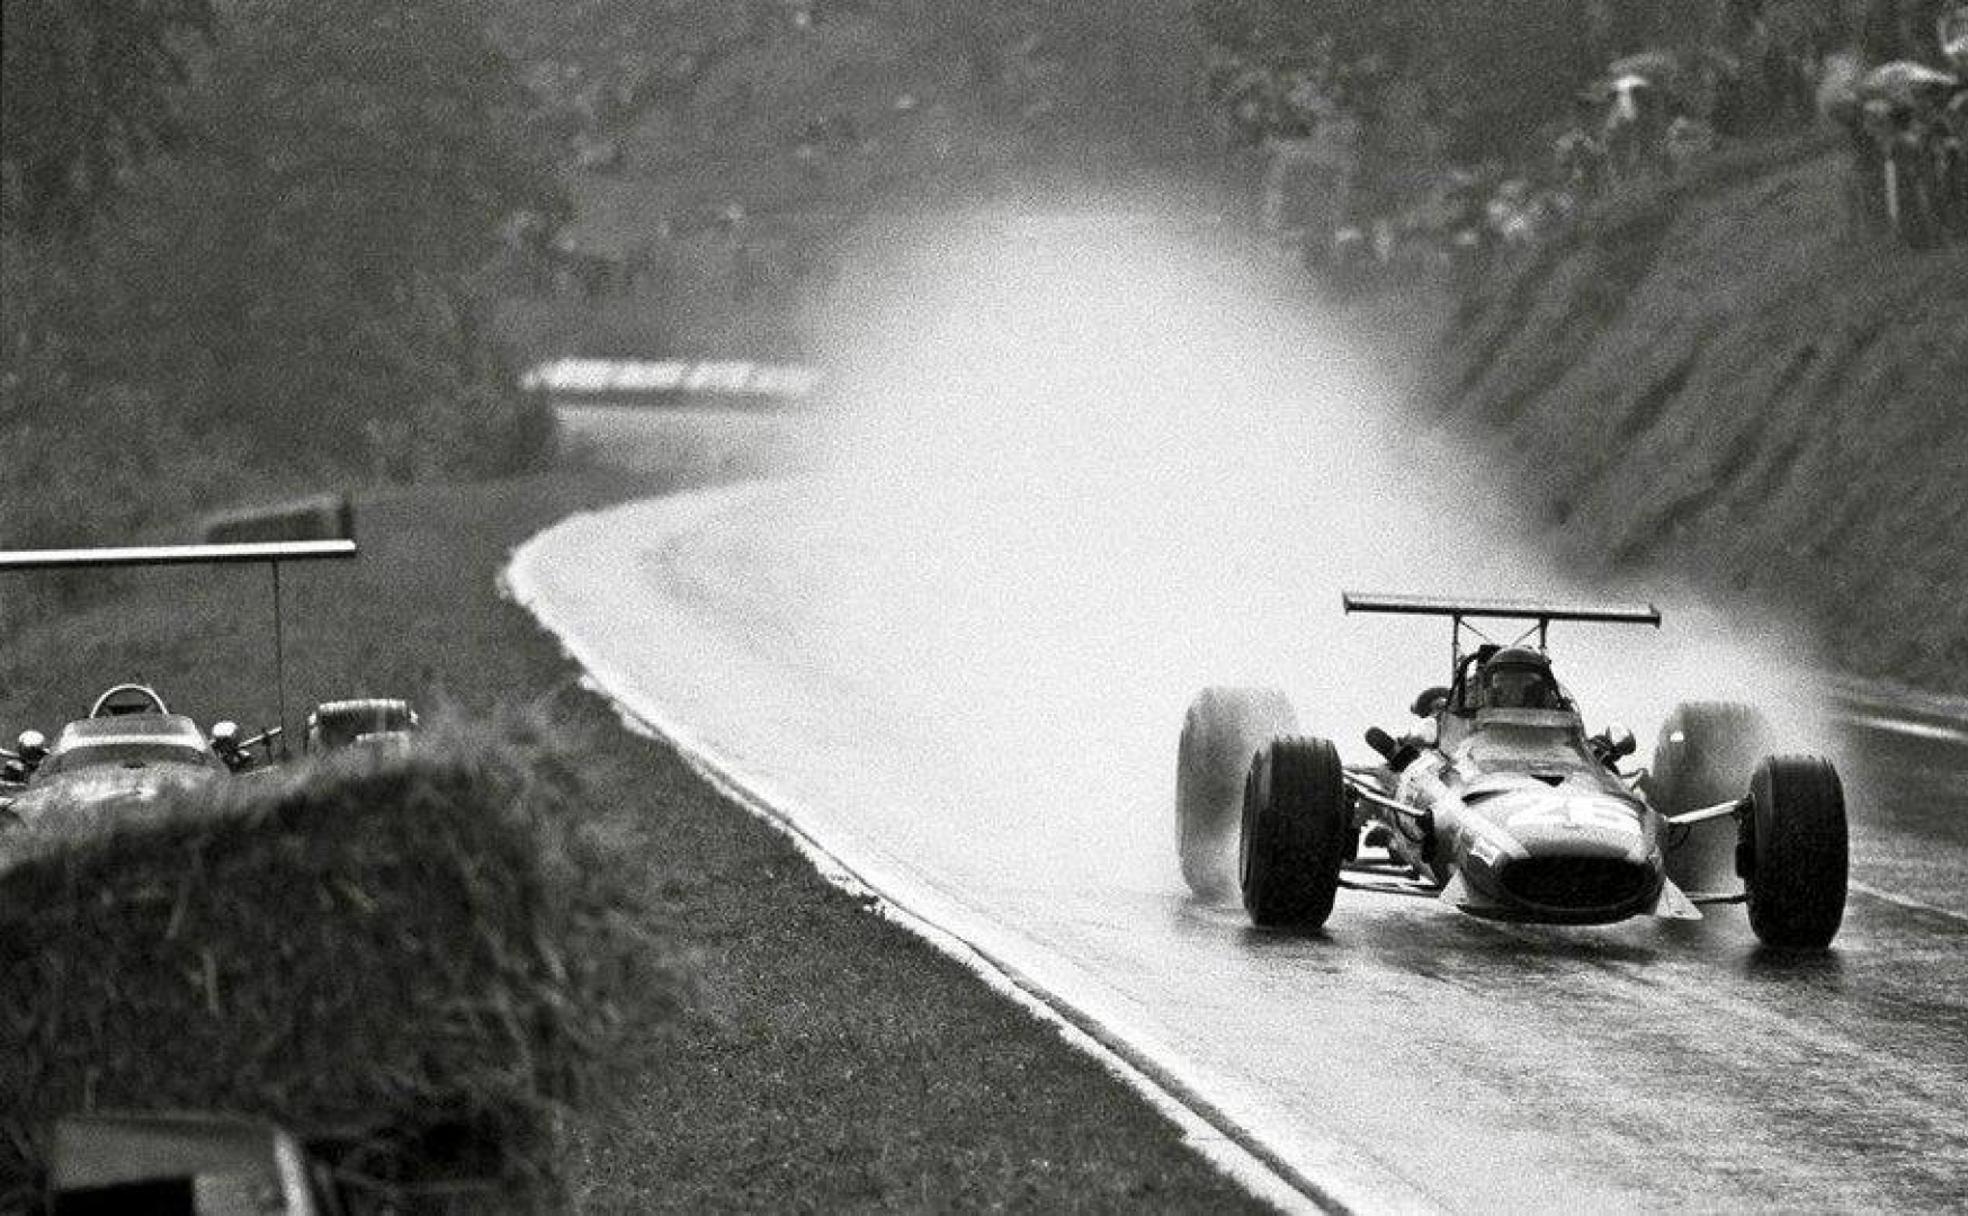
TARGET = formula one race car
(131,748)
(1499,804)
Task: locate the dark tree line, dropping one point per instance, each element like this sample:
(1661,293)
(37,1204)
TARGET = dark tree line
(85,90)
(248,260)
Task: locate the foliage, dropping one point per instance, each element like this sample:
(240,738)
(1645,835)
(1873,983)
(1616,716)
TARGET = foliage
(86,88)
(302,278)
(286,295)
(88,452)
(1488,74)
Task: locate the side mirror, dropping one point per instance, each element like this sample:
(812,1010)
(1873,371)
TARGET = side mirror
(32,747)
(1398,753)
(225,737)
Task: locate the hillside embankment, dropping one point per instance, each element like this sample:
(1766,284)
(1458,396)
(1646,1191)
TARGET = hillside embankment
(1720,380)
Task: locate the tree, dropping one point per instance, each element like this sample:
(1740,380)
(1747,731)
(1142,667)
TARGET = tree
(1489,74)
(85,89)
(300,276)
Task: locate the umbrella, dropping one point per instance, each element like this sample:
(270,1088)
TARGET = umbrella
(1656,67)
(1904,82)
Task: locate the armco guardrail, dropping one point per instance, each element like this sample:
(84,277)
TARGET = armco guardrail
(672,378)
(318,517)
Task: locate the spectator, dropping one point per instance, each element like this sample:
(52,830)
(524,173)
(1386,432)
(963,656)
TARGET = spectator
(1688,139)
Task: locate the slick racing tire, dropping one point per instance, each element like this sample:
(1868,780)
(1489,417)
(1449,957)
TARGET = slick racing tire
(334,725)
(1705,755)
(1222,730)
(1295,828)
(1794,852)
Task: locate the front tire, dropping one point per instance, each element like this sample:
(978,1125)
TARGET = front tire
(1295,828)
(1794,852)
(1222,730)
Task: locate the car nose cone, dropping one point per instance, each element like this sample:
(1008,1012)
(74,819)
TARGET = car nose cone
(1580,888)
(1581,857)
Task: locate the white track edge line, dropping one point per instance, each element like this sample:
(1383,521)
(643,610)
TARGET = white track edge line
(1918,729)
(1906,726)
(1205,1128)
(1906,901)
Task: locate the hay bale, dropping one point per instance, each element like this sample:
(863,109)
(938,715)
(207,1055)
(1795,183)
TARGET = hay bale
(420,951)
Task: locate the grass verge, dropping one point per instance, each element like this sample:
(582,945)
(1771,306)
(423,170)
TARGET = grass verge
(829,1060)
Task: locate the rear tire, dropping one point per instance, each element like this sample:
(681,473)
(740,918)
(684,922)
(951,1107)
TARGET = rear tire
(1705,754)
(339,723)
(1295,827)
(1794,852)
(1222,730)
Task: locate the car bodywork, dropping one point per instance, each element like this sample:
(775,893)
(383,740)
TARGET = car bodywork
(104,761)
(1514,813)
(128,752)
(1517,815)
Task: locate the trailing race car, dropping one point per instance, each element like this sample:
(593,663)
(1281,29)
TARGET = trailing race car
(1498,803)
(131,747)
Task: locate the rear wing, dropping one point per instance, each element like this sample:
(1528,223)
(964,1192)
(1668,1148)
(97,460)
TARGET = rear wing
(174,555)
(268,553)
(1541,611)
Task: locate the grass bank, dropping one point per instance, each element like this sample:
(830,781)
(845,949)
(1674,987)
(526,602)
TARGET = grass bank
(1723,379)
(829,1060)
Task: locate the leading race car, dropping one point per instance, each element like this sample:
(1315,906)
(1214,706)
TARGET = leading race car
(1499,803)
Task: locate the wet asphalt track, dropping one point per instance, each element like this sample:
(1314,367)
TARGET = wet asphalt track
(1408,1058)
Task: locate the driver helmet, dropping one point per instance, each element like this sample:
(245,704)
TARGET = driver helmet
(1518,677)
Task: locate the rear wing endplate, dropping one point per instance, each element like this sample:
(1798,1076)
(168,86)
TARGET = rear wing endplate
(1520,610)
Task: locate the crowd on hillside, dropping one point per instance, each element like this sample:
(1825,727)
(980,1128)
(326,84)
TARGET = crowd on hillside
(1898,103)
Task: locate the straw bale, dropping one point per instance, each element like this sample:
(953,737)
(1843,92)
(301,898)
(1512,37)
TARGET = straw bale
(399,954)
